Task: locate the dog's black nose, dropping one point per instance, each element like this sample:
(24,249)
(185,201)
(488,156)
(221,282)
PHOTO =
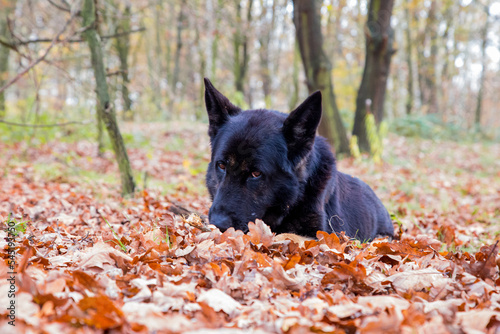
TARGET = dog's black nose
(223,222)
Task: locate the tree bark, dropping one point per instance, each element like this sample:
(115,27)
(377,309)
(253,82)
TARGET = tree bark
(294,99)
(267,24)
(240,45)
(122,45)
(379,50)
(180,27)
(104,106)
(6,9)
(432,24)
(216,37)
(318,68)
(484,64)
(427,40)
(409,60)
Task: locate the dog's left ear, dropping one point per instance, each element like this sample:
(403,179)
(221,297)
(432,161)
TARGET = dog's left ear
(300,127)
(218,108)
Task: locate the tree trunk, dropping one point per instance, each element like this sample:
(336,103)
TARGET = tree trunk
(122,45)
(432,24)
(318,68)
(7,8)
(409,60)
(159,71)
(484,64)
(379,50)
(180,27)
(240,45)
(427,40)
(295,77)
(216,37)
(267,25)
(104,106)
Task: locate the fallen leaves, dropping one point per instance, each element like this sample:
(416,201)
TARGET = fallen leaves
(179,275)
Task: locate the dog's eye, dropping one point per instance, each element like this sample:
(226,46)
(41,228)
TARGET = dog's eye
(256,174)
(221,165)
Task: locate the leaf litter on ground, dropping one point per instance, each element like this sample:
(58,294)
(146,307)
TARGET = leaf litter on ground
(177,274)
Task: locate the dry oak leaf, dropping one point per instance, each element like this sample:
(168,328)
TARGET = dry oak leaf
(417,280)
(343,272)
(331,240)
(383,302)
(347,310)
(476,321)
(101,312)
(485,265)
(281,280)
(220,301)
(260,233)
(298,239)
(101,254)
(151,316)
(181,252)
(447,308)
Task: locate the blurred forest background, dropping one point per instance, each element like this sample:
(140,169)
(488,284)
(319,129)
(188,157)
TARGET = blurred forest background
(443,78)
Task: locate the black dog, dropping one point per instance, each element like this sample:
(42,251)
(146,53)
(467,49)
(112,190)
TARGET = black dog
(271,166)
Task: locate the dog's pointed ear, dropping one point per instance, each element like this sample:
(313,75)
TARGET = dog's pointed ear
(300,127)
(218,108)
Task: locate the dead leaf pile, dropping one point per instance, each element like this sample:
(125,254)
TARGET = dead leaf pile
(89,263)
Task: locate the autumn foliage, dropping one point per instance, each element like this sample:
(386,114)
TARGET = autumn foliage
(90,261)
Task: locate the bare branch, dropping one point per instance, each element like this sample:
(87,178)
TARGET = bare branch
(44,55)
(45,125)
(76,40)
(66,9)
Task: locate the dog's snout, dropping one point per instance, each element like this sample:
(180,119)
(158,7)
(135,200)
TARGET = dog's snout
(221,221)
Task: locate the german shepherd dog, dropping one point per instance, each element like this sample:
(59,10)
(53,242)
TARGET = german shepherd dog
(272,166)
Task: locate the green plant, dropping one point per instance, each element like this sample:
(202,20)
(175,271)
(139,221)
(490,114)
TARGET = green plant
(375,136)
(18,227)
(117,241)
(354,147)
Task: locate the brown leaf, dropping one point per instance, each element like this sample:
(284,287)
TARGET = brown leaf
(101,312)
(292,261)
(260,233)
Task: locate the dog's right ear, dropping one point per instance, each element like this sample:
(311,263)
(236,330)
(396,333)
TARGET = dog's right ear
(300,127)
(218,108)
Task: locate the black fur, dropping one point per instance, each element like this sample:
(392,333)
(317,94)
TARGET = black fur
(299,189)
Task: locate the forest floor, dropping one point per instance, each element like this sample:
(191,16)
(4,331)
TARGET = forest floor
(88,260)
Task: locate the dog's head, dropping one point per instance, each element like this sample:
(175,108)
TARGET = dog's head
(257,157)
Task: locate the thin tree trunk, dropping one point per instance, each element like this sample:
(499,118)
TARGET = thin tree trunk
(379,50)
(427,40)
(179,45)
(104,106)
(296,87)
(199,45)
(264,41)
(432,24)
(484,64)
(448,68)
(215,42)
(158,71)
(210,22)
(318,68)
(240,45)
(409,60)
(5,10)
(122,45)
